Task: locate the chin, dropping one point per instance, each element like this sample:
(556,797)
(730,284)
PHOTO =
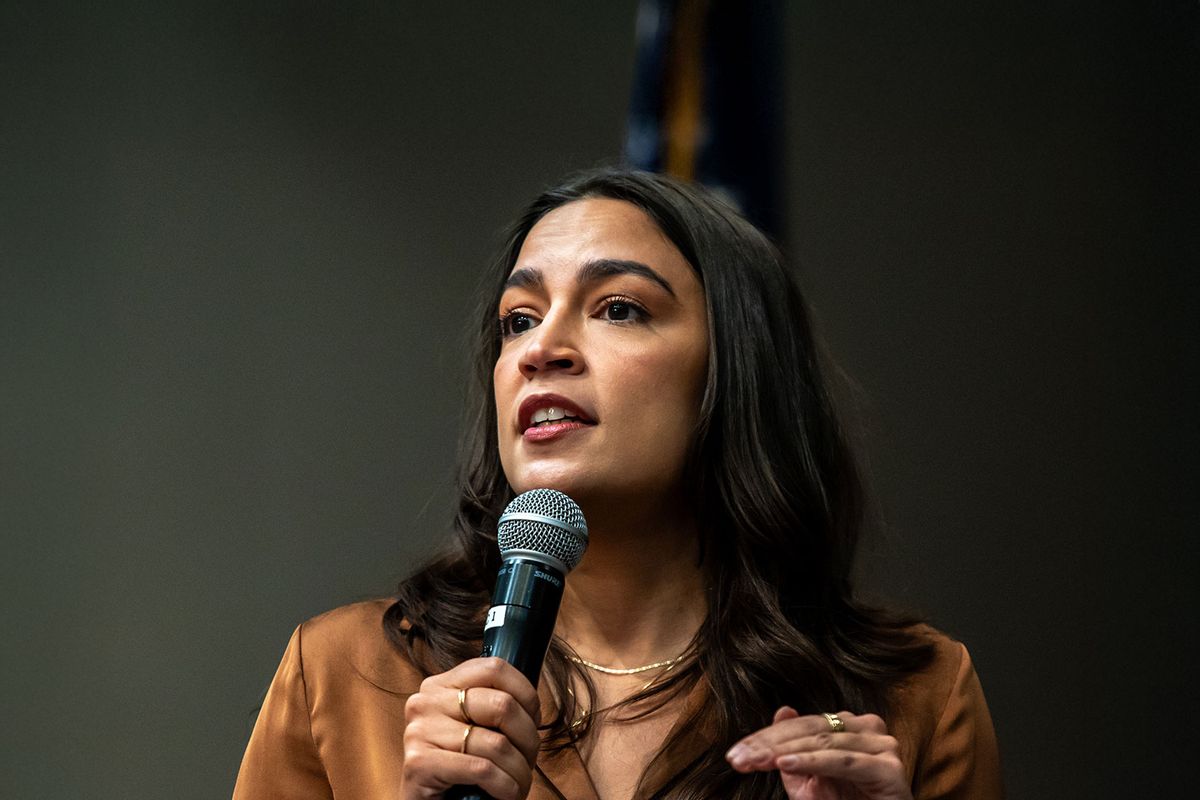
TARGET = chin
(603,483)
(572,485)
(593,493)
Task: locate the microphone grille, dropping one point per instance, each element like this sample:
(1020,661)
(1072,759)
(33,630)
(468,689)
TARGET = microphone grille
(543,523)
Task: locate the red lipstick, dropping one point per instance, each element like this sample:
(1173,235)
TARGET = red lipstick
(576,417)
(552,430)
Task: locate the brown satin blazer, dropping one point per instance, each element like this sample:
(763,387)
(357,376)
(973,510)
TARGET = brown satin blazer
(332,724)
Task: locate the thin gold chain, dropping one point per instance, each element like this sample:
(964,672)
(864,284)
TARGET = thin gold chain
(670,662)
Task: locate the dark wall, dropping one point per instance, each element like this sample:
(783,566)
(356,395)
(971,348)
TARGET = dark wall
(996,215)
(236,249)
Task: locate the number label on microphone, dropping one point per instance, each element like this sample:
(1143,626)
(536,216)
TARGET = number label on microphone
(495,617)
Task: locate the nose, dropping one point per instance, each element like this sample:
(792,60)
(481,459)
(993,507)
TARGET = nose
(551,346)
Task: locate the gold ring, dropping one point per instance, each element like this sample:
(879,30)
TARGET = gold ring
(835,723)
(466,735)
(462,706)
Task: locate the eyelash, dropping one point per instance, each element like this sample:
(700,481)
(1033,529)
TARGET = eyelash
(619,299)
(639,312)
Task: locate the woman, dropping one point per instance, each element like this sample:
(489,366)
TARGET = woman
(644,351)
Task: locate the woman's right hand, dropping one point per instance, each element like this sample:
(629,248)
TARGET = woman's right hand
(502,746)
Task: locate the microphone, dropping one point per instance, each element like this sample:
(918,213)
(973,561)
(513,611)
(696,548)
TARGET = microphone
(542,535)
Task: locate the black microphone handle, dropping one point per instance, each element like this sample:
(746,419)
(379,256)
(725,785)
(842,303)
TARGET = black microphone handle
(519,627)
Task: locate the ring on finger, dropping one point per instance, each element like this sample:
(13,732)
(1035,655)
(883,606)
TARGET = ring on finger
(466,735)
(835,723)
(462,706)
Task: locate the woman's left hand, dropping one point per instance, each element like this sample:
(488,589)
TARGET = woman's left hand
(816,762)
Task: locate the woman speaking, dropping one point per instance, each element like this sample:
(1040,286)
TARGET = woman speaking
(643,350)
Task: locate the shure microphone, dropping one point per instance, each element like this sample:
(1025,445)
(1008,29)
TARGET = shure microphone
(542,536)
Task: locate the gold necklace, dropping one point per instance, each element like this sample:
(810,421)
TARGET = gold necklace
(670,662)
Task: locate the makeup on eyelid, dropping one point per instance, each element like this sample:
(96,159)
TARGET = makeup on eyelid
(627,304)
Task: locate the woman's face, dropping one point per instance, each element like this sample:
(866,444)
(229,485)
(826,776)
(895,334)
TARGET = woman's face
(604,357)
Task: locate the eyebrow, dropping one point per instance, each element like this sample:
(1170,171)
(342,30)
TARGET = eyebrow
(590,272)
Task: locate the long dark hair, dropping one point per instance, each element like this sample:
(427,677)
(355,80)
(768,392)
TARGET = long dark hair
(771,474)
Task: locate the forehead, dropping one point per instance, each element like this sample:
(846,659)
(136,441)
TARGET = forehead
(598,228)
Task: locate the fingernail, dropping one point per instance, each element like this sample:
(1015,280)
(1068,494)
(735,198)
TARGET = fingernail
(738,752)
(788,762)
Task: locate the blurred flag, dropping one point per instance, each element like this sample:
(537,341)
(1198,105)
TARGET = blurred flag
(707,100)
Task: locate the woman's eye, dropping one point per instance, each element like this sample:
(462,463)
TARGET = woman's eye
(619,311)
(623,311)
(516,322)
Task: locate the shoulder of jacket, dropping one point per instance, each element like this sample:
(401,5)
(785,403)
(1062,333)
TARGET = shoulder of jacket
(948,652)
(348,622)
(351,641)
(925,692)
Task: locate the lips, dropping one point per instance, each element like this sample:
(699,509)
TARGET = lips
(551,408)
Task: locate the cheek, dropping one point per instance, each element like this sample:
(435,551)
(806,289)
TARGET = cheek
(676,376)
(663,391)
(503,387)
(504,390)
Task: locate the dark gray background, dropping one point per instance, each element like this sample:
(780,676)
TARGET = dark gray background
(236,245)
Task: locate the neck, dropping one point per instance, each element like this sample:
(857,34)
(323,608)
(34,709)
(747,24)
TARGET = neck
(638,595)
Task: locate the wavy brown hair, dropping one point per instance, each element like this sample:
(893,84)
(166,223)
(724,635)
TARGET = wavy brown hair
(772,476)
